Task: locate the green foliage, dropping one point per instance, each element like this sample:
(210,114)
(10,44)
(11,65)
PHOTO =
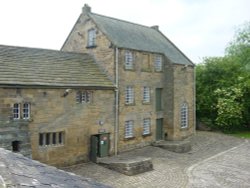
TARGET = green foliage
(223,85)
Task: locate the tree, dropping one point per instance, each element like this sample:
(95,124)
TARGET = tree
(223,85)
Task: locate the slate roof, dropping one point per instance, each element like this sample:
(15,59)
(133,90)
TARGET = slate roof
(51,68)
(19,171)
(129,35)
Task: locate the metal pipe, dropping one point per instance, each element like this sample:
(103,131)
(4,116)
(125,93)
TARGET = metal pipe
(116,99)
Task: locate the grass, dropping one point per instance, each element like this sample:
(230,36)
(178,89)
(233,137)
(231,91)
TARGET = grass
(244,134)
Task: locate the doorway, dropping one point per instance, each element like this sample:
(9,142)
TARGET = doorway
(159,129)
(16,146)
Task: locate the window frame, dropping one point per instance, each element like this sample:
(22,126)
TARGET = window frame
(129,129)
(146,127)
(91,38)
(129,60)
(129,95)
(158,63)
(146,98)
(16,111)
(184,115)
(48,139)
(24,113)
(83,96)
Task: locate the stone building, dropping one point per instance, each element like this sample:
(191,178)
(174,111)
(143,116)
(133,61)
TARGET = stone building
(155,80)
(51,102)
(114,86)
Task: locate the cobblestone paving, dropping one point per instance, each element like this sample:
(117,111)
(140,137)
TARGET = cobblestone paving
(180,170)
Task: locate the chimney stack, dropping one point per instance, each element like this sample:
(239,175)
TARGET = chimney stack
(86,9)
(156,27)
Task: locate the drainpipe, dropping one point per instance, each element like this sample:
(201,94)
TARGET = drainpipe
(116,99)
(194,82)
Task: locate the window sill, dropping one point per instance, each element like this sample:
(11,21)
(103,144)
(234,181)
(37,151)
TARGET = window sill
(131,70)
(89,47)
(130,104)
(160,71)
(129,138)
(184,128)
(146,135)
(146,103)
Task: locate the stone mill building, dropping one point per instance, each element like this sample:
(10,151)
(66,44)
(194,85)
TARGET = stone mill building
(113,86)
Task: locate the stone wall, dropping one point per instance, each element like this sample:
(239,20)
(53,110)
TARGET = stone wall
(51,112)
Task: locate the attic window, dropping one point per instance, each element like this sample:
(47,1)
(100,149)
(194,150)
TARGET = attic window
(83,96)
(91,38)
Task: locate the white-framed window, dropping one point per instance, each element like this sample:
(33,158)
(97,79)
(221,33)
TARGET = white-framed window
(83,96)
(51,138)
(129,60)
(26,110)
(129,95)
(146,126)
(129,129)
(16,111)
(146,94)
(158,63)
(184,115)
(91,37)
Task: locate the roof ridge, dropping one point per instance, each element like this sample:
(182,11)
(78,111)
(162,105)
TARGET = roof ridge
(121,20)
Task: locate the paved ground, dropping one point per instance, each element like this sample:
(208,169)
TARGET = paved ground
(216,160)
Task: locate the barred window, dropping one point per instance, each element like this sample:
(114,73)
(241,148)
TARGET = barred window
(91,37)
(158,63)
(51,139)
(129,126)
(146,126)
(129,59)
(184,115)
(146,94)
(83,96)
(129,95)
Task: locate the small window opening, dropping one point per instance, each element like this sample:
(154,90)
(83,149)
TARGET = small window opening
(16,146)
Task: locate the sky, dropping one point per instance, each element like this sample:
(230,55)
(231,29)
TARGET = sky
(199,28)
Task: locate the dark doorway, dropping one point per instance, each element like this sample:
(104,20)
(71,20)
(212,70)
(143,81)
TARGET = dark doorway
(16,146)
(159,129)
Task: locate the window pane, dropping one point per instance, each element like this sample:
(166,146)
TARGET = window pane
(184,116)
(158,63)
(91,37)
(47,139)
(129,129)
(26,111)
(128,60)
(146,126)
(60,138)
(146,94)
(41,141)
(16,111)
(54,138)
(129,95)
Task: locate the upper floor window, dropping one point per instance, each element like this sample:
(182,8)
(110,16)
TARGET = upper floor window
(184,115)
(146,94)
(16,111)
(129,126)
(21,111)
(158,99)
(129,95)
(26,111)
(129,60)
(158,63)
(146,126)
(91,37)
(83,96)
(145,65)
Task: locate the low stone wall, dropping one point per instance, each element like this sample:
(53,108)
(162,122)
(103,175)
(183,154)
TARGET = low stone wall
(174,146)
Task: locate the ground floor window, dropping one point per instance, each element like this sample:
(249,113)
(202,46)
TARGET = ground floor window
(129,126)
(51,138)
(146,126)
(184,115)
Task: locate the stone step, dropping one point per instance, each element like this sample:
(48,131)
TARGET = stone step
(174,146)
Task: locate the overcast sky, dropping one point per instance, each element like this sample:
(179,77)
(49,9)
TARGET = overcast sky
(199,28)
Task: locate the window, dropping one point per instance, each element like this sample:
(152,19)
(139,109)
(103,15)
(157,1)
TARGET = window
(158,63)
(16,111)
(51,139)
(129,60)
(146,126)
(129,95)
(158,100)
(91,38)
(129,126)
(26,111)
(146,94)
(83,96)
(184,115)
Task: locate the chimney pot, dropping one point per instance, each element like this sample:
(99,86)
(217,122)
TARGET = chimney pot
(86,9)
(156,27)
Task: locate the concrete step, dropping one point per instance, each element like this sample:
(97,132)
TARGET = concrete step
(174,146)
